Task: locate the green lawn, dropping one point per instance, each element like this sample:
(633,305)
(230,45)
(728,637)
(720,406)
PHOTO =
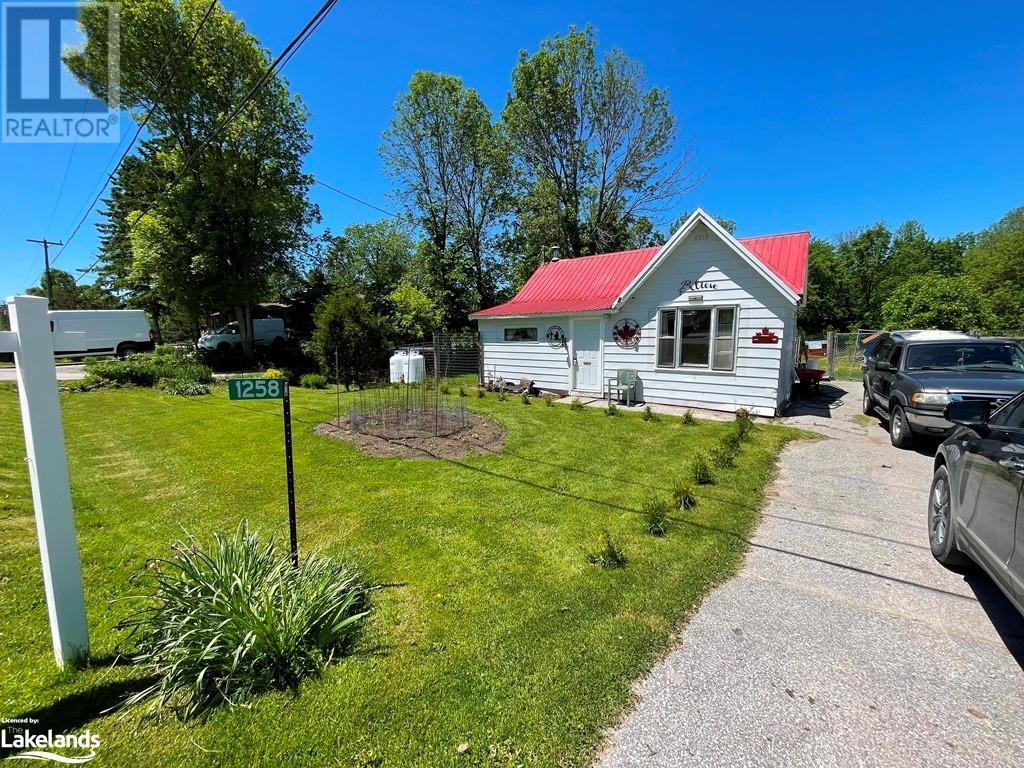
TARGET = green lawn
(492,629)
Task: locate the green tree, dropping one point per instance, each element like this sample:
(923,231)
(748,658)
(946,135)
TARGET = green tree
(372,259)
(452,168)
(69,295)
(829,301)
(934,301)
(995,265)
(414,317)
(865,256)
(348,339)
(237,210)
(592,144)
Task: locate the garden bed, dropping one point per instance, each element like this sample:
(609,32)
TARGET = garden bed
(479,436)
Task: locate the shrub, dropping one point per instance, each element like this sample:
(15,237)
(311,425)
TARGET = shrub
(656,512)
(348,332)
(722,456)
(549,400)
(226,623)
(683,495)
(481,392)
(733,440)
(85,384)
(146,370)
(274,373)
(576,404)
(650,415)
(744,423)
(502,396)
(689,419)
(184,387)
(701,469)
(609,555)
(525,397)
(462,391)
(611,410)
(313,381)
(445,387)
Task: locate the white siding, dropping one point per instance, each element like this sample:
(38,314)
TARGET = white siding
(761,378)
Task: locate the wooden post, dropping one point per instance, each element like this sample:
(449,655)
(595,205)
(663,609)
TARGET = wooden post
(32,343)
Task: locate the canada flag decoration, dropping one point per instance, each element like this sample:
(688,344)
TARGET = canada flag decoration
(764,336)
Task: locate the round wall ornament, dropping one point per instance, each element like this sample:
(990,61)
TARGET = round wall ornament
(626,333)
(555,337)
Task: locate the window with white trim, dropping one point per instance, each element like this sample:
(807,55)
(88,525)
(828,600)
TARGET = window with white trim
(521,334)
(703,337)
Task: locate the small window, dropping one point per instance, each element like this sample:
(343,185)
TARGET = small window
(521,334)
(897,354)
(695,337)
(725,340)
(667,338)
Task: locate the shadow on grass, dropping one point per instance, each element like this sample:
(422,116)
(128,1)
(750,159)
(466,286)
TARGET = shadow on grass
(76,710)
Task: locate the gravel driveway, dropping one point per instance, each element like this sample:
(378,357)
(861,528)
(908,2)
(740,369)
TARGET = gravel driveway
(841,642)
(65,372)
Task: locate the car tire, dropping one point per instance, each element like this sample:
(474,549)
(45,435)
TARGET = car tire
(941,527)
(867,404)
(224,348)
(900,434)
(123,350)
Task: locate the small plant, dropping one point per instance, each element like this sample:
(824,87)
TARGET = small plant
(576,404)
(274,373)
(701,469)
(689,419)
(446,388)
(733,440)
(611,410)
(549,400)
(503,396)
(656,512)
(722,456)
(525,397)
(236,619)
(313,381)
(683,495)
(650,415)
(744,423)
(481,392)
(184,387)
(609,555)
(462,391)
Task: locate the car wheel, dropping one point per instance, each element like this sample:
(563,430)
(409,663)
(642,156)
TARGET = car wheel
(867,404)
(223,347)
(899,428)
(941,530)
(123,350)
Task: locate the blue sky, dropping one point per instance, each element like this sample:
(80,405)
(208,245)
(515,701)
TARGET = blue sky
(805,117)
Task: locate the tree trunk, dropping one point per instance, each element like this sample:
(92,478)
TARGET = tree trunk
(244,316)
(154,310)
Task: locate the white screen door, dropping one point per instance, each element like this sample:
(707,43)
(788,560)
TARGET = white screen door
(587,365)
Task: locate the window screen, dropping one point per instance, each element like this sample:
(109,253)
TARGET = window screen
(695,337)
(521,334)
(666,337)
(725,340)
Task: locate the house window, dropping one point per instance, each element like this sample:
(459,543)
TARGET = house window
(697,338)
(521,334)
(725,339)
(667,338)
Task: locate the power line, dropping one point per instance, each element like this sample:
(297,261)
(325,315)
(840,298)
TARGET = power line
(138,130)
(343,193)
(283,58)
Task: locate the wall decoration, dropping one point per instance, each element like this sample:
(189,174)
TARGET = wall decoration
(555,337)
(626,333)
(696,285)
(764,336)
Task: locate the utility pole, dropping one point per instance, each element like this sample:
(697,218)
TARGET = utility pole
(46,260)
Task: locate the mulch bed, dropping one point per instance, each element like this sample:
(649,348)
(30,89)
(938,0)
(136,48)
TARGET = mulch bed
(481,436)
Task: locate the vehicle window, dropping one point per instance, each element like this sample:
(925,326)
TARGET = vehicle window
(882,350)
(1010,416)
(897,353)
(967,355)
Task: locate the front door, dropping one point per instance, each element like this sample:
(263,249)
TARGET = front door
(586,364)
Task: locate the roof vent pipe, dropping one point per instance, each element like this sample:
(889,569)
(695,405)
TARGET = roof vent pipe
(554,252)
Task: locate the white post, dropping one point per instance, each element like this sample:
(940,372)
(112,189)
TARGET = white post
(48,472)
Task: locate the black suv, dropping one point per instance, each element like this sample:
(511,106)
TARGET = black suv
(911,376)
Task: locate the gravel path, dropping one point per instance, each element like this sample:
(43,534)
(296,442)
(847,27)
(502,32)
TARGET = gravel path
(65,372)
(841,642)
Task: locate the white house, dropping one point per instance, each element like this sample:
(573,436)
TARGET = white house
(707,320)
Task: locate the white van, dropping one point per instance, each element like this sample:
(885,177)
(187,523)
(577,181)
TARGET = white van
(86,332)
(266,332)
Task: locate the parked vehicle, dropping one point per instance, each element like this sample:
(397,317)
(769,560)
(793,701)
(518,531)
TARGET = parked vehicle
(267,332)
(975,509)
(911,376)
(95,332)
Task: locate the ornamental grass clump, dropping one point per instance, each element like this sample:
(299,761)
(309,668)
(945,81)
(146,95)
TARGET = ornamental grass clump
(683,496)
(235,620)
(650,415)
(701,469)
(611,410)
(722,456)
(481,393)
(576,404)
(656,511)
(689,419)
(525,397)
(549,400)
(609,555)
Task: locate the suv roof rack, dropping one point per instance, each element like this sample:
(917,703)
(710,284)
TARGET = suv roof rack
(929,335)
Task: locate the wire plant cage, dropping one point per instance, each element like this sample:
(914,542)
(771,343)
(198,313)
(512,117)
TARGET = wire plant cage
(403,411)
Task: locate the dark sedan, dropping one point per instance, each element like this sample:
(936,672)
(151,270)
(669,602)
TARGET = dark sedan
(975,511)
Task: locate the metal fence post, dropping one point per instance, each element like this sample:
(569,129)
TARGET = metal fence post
(830,346)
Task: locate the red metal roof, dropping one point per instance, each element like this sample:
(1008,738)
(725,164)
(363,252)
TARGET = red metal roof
(593,283)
